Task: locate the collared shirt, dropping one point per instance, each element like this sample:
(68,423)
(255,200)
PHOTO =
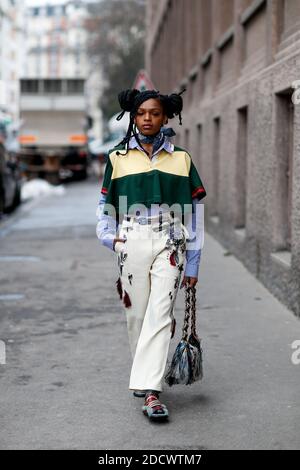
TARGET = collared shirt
(107,226)
(166,145)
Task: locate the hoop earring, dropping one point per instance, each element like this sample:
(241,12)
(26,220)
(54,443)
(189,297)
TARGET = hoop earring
(135,129)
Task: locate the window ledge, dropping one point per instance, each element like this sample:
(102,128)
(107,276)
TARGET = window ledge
(193,73)
(226,37)
(251,10)
(283,258)
(240,233)
(205,59)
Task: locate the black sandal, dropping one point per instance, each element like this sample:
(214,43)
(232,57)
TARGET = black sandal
(139,393)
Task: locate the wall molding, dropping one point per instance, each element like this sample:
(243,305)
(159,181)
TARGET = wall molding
(252,10)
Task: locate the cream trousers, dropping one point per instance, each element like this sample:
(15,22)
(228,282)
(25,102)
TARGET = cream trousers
(150,264)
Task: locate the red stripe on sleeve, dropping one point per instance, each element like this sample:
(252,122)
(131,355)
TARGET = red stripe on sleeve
(198,191)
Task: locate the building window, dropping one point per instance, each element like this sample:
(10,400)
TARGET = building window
(290,17)
(29,86)
(199,145)
(75,86)
(226,15)
(52,86)
(187,139)
(216,164)
(284,174)
(254,43)
(241,167)
(206,25)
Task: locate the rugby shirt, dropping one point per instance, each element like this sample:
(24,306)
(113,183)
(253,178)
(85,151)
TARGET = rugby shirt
(107,226)
(171,178)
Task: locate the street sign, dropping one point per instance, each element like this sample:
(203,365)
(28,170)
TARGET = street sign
(143,82)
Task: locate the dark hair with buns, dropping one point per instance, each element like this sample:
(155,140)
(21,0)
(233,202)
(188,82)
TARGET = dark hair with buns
(131,99)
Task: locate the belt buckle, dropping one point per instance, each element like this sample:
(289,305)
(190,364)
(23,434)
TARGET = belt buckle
(127,222)
(142,220)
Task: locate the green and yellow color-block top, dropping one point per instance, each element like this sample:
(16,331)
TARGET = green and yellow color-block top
(171,178)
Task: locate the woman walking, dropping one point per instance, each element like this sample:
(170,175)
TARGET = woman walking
(150,187)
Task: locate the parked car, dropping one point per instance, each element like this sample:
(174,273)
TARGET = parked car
(10,182)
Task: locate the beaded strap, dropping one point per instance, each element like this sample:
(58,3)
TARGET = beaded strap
(153,401)
(190,312)
(193,310)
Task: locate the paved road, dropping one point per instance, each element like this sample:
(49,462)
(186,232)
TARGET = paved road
(65,381)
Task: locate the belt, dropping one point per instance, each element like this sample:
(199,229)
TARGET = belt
(161,217)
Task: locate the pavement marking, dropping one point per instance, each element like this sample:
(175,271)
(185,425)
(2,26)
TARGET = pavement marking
(2,352)
(19,258)
(11,296)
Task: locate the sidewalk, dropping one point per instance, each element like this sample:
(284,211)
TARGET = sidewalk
(65,383)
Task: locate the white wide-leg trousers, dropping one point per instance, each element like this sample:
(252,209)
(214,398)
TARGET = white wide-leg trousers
(150,265)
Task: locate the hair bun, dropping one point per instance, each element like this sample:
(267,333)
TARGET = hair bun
(175,104)
(127,97)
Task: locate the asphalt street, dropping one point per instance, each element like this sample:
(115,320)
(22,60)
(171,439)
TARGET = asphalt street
(65,381)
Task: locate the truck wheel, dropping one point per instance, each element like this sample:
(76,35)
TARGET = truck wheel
(17,198)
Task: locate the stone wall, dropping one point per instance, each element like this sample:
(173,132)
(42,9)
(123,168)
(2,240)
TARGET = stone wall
(238,60)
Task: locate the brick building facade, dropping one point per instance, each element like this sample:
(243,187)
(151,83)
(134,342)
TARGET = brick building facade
(238,60)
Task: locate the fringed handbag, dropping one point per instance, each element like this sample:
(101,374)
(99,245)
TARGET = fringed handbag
(186,365)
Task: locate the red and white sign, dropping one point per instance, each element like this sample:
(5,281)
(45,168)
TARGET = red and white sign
(143,82)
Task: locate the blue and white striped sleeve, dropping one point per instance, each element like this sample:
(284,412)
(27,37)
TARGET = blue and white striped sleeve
(107,225)
(195,227)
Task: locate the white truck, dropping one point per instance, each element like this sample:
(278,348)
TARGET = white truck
(53,141)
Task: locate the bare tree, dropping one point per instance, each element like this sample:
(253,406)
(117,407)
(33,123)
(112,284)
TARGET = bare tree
(117,45)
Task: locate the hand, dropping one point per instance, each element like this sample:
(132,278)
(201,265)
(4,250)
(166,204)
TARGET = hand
(118,240)
(189,281)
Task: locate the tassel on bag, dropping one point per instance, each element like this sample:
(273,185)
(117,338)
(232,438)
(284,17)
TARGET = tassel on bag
(119,287)
(125,297)
(186,366)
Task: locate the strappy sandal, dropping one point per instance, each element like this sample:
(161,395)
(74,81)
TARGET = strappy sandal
(154,409)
